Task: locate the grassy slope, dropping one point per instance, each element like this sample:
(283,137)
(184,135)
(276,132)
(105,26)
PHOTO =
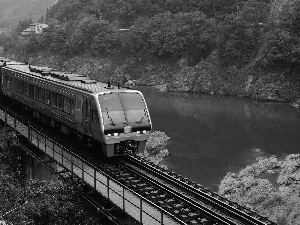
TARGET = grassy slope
(12,11)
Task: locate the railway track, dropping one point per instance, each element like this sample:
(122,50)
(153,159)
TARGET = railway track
(190,203)
(221,210)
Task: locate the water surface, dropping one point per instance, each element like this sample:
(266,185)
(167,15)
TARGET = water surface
(213,135)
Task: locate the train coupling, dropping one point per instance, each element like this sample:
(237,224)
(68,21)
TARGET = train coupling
(126,147)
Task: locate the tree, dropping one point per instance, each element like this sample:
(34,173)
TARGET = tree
(39,202)
(23,25)
(280,48)
(189,35)
(241,35)
(94,36)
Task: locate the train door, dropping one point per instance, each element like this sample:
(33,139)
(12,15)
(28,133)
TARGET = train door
(1,78)
(7,82)
(78,112)
(87,116)
(95,127)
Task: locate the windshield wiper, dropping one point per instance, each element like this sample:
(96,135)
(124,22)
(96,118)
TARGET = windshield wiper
(109,117)
(145,115)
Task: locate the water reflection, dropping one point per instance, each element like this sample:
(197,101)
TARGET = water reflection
(212,135)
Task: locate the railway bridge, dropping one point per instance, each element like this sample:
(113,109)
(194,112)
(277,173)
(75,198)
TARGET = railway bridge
(144,192)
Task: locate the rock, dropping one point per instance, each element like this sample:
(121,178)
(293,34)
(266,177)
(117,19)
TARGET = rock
(161,88)
(296,103)
(290,170)
(155,150)
(281,204)
(284,190)
(271,171)
(257,150)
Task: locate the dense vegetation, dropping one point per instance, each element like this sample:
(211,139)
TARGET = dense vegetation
(12,11)
(247,38)
(36,202)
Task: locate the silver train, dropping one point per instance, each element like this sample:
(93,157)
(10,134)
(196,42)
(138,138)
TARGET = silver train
(115,120)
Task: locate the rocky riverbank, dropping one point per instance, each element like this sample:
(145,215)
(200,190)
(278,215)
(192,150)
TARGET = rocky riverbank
(269,186)
(207,77)
(155,150)
(210,77)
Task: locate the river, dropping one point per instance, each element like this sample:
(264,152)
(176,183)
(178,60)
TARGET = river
(214,135)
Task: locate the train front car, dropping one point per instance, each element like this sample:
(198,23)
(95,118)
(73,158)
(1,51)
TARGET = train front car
(125,121)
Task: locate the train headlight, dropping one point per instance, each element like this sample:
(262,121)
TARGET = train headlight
(109,135)
(116,134)
(144,131)
(138,132)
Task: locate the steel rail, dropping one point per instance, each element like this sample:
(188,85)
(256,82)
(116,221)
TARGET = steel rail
(209,212)
(230,208)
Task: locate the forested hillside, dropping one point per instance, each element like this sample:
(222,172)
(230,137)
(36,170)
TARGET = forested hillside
(247,48)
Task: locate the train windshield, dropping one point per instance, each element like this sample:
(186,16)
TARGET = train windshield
(123,108)
(112,110)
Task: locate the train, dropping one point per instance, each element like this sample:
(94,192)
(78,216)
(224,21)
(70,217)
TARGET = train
(113,119)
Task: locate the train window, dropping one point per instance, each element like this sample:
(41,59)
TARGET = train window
(134,106)
(36,92)
(31,90)
(67,104)
(7,81)
(78,104)
(72,106)
(112,109)
(53,99)
(42,94)
(95,117)
(19,86)
(88,109)
(25,89)
(47,97)
(60,101)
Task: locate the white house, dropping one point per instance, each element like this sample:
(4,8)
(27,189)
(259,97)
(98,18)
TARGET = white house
(34,28)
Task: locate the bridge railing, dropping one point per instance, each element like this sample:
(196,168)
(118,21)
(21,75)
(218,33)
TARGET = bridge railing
(131,202)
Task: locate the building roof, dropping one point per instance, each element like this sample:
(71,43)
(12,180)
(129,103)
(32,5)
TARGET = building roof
(34,24)
(27,29)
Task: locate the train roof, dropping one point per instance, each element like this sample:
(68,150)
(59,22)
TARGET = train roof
(75,81)
(9,62)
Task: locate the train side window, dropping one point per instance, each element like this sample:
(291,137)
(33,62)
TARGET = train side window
(78,104)
(42,94)
(25,88)
(60,101)
(88,109)
(10,79)
(47,97)
(19,86)
(53,99)
(31,90)
(36,92)
(95,117)
(7,81)
(72,106)
(67,104)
